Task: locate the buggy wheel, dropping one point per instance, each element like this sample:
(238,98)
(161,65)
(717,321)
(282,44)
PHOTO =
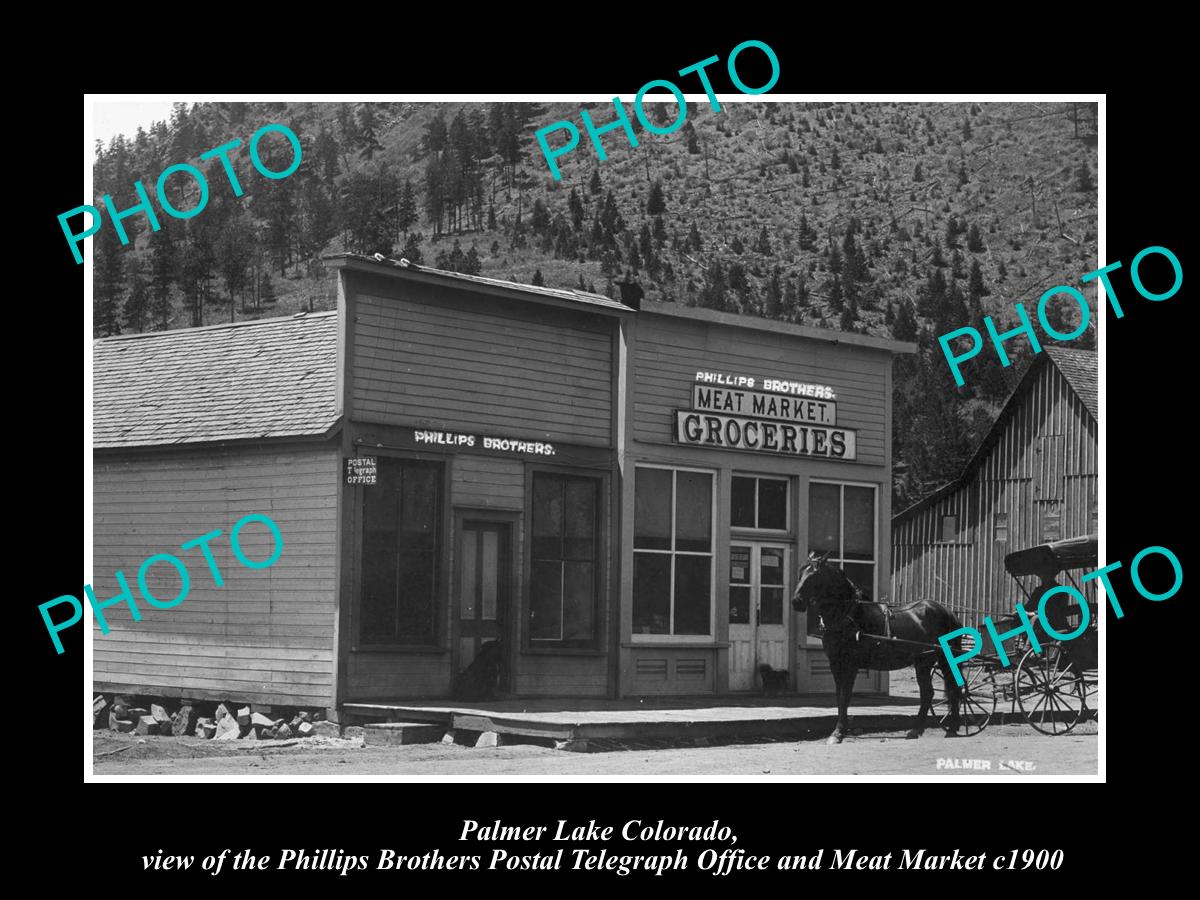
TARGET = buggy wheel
(1051,692)
(977,701)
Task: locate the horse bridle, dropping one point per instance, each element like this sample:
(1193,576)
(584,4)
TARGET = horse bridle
(848,607)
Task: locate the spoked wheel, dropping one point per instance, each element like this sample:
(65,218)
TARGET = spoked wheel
(977,701)
(1051,694)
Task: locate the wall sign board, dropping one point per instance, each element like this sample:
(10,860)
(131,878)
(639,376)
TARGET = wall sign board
(361,469)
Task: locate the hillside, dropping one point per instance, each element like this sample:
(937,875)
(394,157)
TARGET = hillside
(904,220)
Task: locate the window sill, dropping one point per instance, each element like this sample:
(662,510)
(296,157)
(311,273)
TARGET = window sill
(398,648)
(562,651)
(676,645)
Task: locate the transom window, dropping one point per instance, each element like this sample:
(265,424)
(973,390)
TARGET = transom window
(758,502)
(673,552)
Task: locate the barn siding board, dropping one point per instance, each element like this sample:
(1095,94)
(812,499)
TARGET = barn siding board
(238,641)
(546,376)
(1014,478)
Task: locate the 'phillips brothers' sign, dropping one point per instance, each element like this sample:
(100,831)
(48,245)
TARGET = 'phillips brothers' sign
(789,418)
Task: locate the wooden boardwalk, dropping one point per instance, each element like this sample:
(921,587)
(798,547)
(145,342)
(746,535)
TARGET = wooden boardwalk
(578,721)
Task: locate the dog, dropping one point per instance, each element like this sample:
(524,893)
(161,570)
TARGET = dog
(481,679)
(774,681)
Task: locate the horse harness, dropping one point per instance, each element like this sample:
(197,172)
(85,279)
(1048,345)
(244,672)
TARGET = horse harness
(850,612)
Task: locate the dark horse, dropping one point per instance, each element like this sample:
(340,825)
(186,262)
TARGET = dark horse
(846,618)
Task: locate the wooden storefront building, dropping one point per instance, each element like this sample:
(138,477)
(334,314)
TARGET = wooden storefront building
(1033,479)
(619,494)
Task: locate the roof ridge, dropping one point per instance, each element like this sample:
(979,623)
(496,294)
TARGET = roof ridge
(270,320)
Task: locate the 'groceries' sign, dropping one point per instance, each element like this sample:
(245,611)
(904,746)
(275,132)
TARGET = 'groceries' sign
(730,413)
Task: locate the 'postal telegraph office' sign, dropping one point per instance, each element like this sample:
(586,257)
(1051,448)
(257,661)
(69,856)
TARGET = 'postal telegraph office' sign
(764,416)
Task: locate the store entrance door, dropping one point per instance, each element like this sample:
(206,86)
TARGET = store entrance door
(483,588)
(759,611)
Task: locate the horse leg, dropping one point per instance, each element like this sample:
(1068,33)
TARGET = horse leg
(924,669)
(953,699)
(844,680)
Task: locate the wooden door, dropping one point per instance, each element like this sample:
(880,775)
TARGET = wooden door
(483,590)
(759,611)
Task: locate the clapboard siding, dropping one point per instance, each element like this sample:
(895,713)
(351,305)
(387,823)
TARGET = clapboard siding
(1041,468)
(489,483)
(267,634)
(437,357)
(397,675)
(562,676)
(671,350)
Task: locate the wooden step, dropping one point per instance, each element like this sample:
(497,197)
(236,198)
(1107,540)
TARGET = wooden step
(397,733)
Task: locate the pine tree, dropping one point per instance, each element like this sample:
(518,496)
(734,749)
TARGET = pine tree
(974,239)
(773,300)
(406,209)
(576,207)
(737,246)
(849,316)
(660,231)
(918,175)
(162,276)
(933,295)
(1083,179)
(367,137)
(412,249)
(137,302)
(594,184)
(693,240)
(835,259)
(538,280)
(905,326)
(234,250)
(106,283)
(806,235)
(966,129)
(713,295)
(834,291)
(976,290)
(266,289)
(655,203)
(951,233)
(763,244)
(435,134)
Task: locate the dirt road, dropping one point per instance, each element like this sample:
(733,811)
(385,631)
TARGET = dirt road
(1010,750)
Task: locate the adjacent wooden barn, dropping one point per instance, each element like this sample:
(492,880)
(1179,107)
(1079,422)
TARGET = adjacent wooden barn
(1033,479)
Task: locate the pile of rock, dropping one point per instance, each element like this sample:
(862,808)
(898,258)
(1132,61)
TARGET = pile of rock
(226,722)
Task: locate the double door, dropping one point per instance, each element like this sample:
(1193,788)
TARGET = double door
(759,611)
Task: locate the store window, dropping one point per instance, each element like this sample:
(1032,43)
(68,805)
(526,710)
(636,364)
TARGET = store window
(760,503)
(841,521)
(673,552)
(400,549)
(564,564)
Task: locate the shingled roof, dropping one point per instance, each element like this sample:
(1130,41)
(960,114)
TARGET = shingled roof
(268,379)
